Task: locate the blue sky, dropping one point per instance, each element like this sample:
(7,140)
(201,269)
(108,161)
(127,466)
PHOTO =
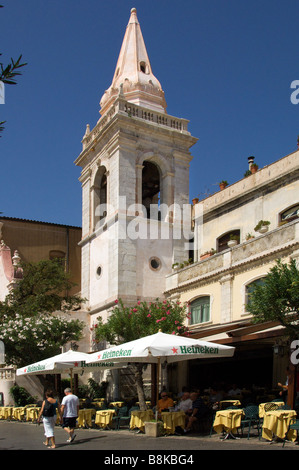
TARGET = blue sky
(226,65)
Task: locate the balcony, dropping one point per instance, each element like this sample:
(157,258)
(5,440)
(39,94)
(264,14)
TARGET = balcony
(277,243)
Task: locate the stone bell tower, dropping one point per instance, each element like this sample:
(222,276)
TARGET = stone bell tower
(135,182)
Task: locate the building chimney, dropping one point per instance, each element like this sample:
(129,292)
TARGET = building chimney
(250,161)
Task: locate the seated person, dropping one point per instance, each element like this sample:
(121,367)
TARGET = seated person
(197,411)
(165,402)
(234,391)
(185,403)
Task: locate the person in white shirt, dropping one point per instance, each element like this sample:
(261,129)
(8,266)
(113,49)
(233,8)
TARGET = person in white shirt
(185,403)
(69,413)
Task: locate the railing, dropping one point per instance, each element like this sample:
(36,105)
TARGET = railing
(122,106)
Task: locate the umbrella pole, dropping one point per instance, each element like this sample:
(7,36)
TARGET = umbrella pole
(157,387)
(72,380)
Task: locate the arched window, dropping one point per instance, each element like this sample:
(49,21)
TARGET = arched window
(249,288)
(150,188)
(100,195)
(222,242)
(290,214)
(200,310)
(59,255)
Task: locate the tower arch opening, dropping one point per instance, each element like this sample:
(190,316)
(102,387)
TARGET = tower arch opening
(100,196)
(151,187)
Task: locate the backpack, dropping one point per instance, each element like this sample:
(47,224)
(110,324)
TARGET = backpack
(49,409)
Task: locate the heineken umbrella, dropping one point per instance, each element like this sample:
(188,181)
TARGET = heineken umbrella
(161,347)
(70,361)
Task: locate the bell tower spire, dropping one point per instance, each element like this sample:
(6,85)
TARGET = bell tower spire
(134,72)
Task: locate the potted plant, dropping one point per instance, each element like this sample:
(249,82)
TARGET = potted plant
(249,236)
(247,173)
(195,200)
(223,184)
(253,168)
(154,428)
(207,254)
(262,226)
(175,266)
(233,240)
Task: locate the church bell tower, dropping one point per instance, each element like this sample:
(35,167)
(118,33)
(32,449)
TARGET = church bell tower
(135,184)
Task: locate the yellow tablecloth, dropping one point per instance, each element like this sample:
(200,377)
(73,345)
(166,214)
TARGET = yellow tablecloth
(138,418)
(18,413)
(277,423)
(85,417)
(98,404)
(32,413)
(225,403)
(117,404)
(6,412)
(104,418)
(262,407)
(228,420)
(173,419)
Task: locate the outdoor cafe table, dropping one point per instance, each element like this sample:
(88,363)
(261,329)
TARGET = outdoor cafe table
(276,423)
(116,404)
(225,403)
(262,407)
(85,417)
(172,419)
(6,412)
(32,413)
(138,418)
(104,418)
(19,412)
(228,421)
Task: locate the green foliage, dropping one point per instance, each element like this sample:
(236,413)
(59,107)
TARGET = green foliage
(27,328)
(21,396)
(43,289)
(278,298)
(93,389)
(29,340)
(130,323)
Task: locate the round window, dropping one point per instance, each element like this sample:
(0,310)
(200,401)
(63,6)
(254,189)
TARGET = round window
(155,263)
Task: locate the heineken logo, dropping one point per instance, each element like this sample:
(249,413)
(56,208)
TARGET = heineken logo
(36,368)
(119,353)
(97,364)
(195,350)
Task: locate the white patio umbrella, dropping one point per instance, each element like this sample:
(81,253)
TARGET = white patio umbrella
(72,361)
(161,347)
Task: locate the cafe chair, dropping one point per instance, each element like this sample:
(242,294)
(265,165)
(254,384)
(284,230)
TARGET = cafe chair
(284,407)
(294,424)
(271,406)
(122,415)
(250,419)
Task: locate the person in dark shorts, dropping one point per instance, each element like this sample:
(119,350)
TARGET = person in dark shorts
(69,413)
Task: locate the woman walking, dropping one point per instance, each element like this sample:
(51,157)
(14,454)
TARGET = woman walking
(48,412)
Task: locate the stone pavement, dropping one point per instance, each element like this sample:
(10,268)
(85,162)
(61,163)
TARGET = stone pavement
(28,436)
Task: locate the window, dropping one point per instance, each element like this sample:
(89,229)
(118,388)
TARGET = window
(100,196)
(150,188)
(222,242)
(291,213)
(155,264)
(250,288)
(200,310)
(58,255)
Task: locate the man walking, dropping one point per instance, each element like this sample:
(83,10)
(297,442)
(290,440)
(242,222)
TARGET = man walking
(69,413)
